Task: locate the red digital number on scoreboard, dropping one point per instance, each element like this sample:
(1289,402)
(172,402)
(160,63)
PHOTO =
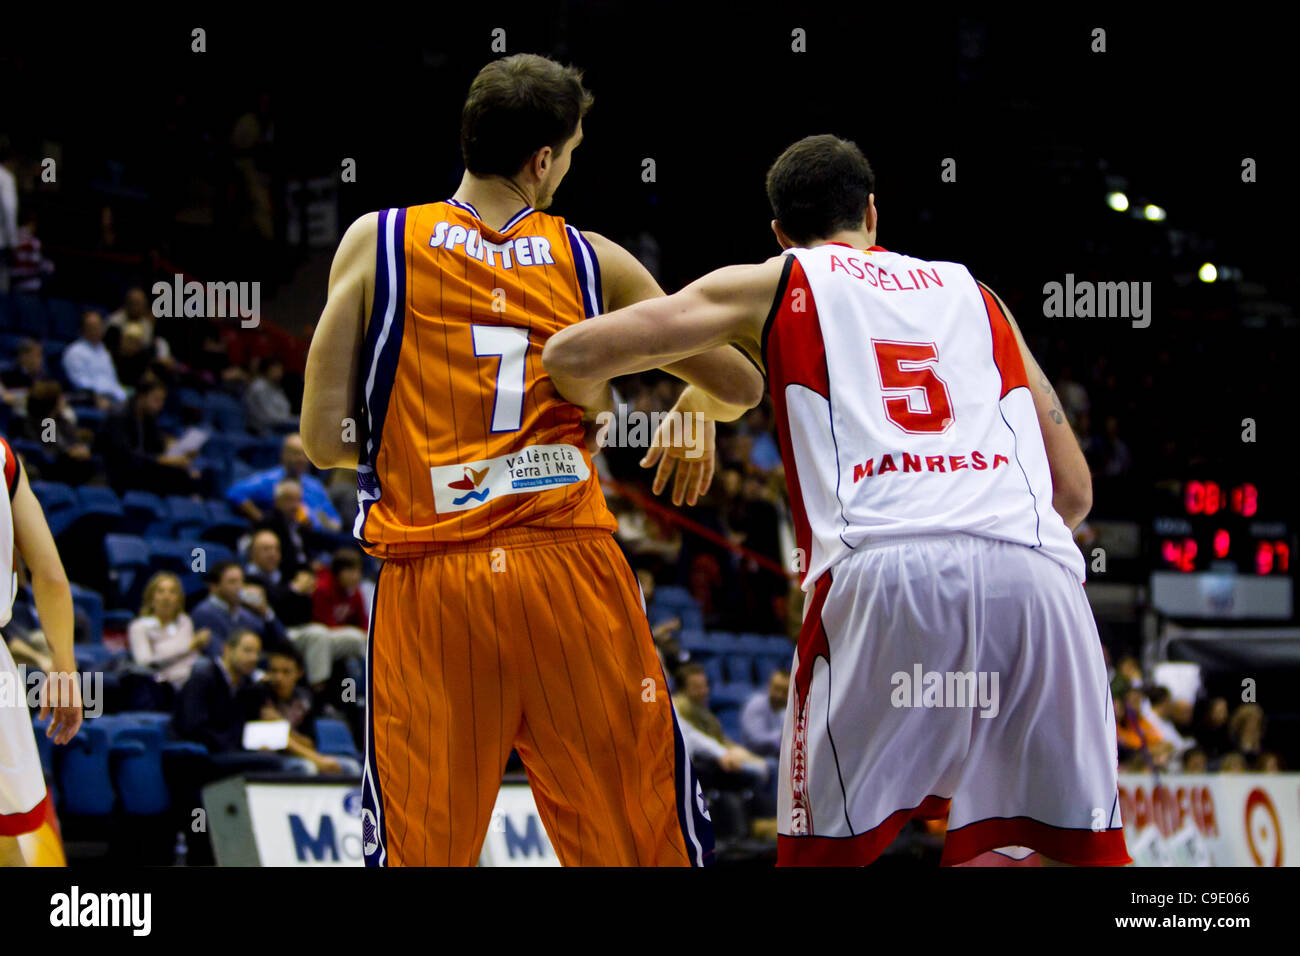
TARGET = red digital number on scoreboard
(1272,557)
(1179,553)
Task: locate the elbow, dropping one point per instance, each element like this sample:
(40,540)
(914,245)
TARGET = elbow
(1075,503)
(563,357)
(751,390)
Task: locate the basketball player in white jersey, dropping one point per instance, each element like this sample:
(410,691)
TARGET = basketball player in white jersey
(23,531)
(948,662)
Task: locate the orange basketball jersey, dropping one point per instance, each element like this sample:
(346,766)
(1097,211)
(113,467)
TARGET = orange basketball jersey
(463,433)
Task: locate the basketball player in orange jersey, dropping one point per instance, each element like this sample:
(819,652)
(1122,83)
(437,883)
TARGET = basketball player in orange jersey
(505,616)
(24,802)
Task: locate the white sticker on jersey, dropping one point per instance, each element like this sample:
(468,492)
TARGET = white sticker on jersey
(535,468)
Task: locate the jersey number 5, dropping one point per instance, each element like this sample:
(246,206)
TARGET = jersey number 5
(906,368)
(511,346)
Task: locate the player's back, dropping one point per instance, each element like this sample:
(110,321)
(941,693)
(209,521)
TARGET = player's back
(463,433)
(903,408)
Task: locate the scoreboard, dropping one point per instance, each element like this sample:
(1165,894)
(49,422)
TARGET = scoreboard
(1209,525)
(1230,543)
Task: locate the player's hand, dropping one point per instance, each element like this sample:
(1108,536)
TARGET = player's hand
(686,442)
(61,700)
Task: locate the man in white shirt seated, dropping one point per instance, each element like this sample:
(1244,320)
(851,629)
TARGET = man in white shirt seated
(763,715)
(90,365)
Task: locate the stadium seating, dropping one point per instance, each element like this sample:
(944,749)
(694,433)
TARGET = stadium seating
(334,739)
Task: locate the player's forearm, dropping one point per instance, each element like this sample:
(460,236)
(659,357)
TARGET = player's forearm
(329,433)
(727,375)
(54,607)
(698,401)
(593,396)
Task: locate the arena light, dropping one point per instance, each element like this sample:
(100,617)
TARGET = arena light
(1207,272)
(1154,213)
(1117,201)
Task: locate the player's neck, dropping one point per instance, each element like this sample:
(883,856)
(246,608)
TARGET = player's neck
(857,238)
(495,198)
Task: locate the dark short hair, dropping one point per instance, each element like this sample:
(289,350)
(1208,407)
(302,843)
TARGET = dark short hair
(287,650)
(689,670)
(218,571)
(819,186)
(238,634)
(346,559)
(514,107)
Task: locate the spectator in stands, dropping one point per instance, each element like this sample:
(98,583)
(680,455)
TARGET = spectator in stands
(29,370)
(1233,763)
(292,526)
(763,715)
(255,495)
(1136,738)
(267,405)
(1267,762)
(50,422)
(214,703)
(664,625)
(135,447)
(338,601)
(1116,458)
(8,211)
(1194,761)
(1158,707)
(764,453)
(319,645)
(89,365)
(232,606)
(132,357)
(1246,729)
(692,705)
(30,267)
(135,309)
(282,696)
(1211,728)
(163,637)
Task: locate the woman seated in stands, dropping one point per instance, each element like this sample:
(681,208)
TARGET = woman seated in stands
(163,638)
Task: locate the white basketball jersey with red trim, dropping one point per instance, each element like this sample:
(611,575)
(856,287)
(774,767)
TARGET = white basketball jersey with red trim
(903,408)
(9,467)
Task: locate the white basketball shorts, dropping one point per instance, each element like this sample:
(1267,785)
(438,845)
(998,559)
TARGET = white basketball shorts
(22,785)
(949,676)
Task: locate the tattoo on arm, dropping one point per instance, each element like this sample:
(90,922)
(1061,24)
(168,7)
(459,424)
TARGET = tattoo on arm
(1056,414)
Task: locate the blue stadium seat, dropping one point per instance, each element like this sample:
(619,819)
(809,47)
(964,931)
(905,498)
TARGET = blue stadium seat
(128,567)
(188,517)
(223,524)
(95,657)
(226,413)
(262,453)
(82,771)
(751,643)
(695,641)
(90,417)
(90,603)
(729,717)
(729,695)
(31,315)
(57,500)
(95,499)
(767,664)
(65,319)
(713,669)
(53,349)
(157,720)
(137,771)
(739,668)
(672,595)
(142,510)
(118,620)
(334,739)
(8,317)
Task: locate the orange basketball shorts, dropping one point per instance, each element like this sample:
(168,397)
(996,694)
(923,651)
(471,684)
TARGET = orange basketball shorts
(536,641)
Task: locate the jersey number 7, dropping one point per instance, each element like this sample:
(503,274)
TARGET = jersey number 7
(511,346)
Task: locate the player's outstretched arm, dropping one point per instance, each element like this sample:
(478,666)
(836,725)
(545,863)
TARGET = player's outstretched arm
(731,384)
(724,307)
(1071,477)
(53,597)
(330,381)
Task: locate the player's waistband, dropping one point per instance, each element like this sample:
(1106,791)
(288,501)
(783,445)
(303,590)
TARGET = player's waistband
(509,538)
(877,542)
